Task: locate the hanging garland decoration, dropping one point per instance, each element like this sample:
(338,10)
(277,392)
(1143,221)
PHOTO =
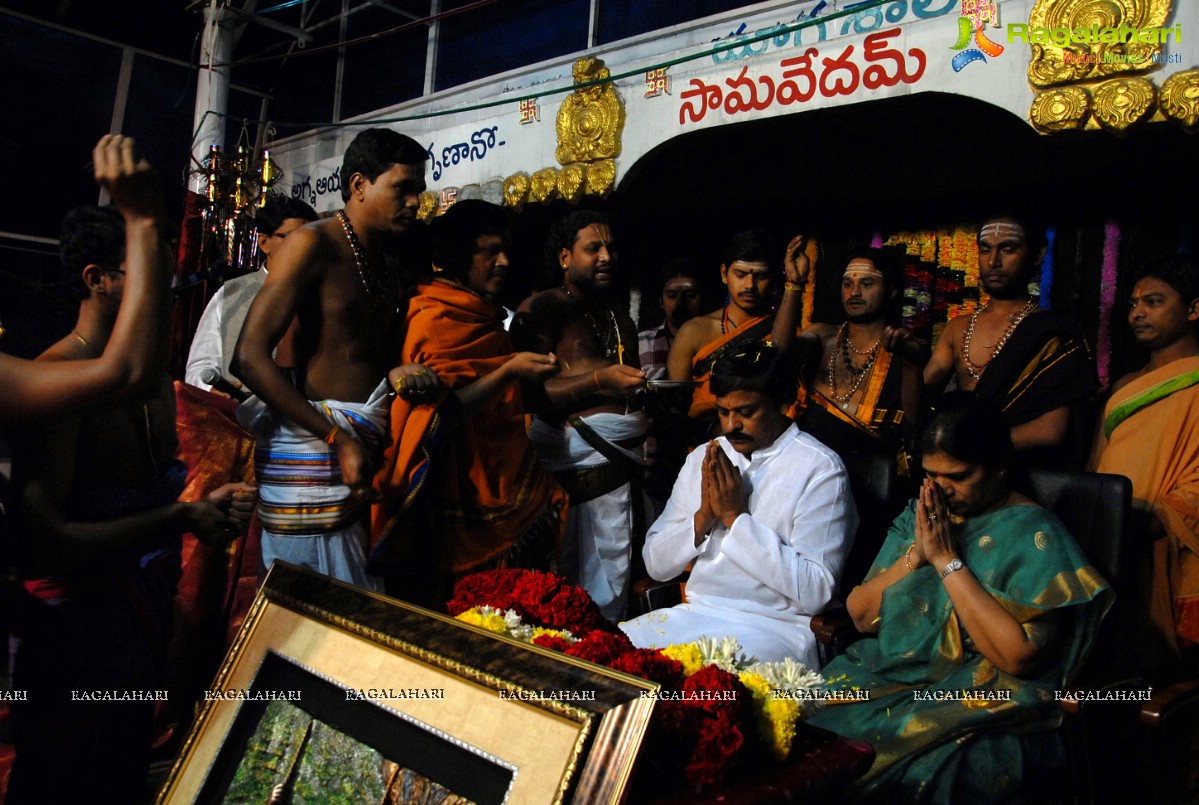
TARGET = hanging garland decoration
(812,250)
(1046,300)
(948,289)
(965,262)
(1107,298)
(921,248)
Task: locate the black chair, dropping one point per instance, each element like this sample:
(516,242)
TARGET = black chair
(875,484)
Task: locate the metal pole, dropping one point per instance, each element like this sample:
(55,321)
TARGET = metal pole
(212,88)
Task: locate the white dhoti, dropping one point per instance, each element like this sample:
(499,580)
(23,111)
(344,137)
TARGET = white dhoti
(309,517)
(597,549)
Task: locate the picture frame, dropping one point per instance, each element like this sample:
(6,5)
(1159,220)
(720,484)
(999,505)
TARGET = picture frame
(334,682)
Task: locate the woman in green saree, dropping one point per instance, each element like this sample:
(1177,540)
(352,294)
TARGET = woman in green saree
(982,607)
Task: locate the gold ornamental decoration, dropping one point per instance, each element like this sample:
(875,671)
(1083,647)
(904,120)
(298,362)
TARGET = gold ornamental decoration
(429,201)
(1179,98)
(1121,102)
(543,185)
(601,177)
(570,181)
(516,190)
(1054,64)
(1060,109)
(591,119)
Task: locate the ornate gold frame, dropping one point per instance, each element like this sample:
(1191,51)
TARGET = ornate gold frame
(579,747)
(1101,85)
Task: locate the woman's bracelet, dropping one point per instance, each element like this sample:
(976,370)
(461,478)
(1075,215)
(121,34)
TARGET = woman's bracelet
(907,557)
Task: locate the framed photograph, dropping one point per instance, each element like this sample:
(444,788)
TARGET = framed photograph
(331,694)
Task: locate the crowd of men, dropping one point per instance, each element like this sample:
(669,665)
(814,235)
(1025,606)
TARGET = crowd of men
(406,437)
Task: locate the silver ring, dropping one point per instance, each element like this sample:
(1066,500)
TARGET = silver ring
(932,518)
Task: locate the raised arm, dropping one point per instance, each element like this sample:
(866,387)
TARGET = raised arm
(796,268)
(136,351)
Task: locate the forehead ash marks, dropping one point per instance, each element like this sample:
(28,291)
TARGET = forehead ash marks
(680,285)
(859,269)
(1002,230)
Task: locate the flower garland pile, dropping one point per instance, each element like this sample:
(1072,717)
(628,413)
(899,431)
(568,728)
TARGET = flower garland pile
(716,705)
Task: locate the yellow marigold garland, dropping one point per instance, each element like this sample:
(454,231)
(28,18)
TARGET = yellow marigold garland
(775,717)
(686,654)
(491,620)
(809,292)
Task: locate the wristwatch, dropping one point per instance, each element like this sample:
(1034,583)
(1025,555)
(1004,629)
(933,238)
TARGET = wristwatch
(952,567)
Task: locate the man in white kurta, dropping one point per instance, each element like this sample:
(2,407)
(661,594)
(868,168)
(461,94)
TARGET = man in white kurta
(766,548)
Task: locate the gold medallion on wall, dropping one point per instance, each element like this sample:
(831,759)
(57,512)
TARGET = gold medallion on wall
(1179,98)
(1054,64)
(589,126)
(1097,84)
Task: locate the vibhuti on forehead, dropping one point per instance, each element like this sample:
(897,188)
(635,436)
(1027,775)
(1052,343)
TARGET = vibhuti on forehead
(861,268)
(1003,230)
(680,284)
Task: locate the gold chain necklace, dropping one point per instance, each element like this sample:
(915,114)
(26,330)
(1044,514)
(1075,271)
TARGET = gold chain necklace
(975,369)
(859,373)
(604,337)
(373,285)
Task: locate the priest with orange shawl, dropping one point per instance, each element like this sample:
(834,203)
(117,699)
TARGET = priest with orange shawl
(746,321)
(461,488)
(1150,433)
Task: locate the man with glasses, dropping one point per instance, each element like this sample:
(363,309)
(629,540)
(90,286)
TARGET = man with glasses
(216,335)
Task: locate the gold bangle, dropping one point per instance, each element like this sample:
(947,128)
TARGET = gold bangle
(332,435)
(907,557)
(595,374)
(790,286)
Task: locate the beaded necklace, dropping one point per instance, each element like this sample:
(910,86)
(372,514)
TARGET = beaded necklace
(859,373)
(976,369)
(373,285)
(604,337)
(725,321)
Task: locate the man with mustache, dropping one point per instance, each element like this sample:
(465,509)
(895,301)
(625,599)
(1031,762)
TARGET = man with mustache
(462,489)
(1034,364)
(315,439)
(864,382)
(763,516)
(747,271)
(665,446)
(1148,432)
(589,429)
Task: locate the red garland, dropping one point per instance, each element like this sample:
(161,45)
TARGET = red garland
(703,732)
(601,648)
(540,599)
(552,641)
(653,665)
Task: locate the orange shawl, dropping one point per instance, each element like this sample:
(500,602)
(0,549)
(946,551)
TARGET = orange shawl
(480,477)
(703,404)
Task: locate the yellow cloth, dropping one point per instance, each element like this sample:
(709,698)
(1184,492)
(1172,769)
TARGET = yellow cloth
(1157,447)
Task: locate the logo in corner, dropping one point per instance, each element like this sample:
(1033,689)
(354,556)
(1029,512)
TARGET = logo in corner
(974,17)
